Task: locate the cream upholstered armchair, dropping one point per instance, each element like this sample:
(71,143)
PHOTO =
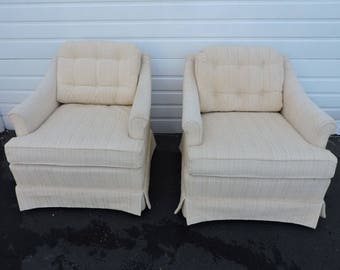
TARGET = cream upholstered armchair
(254,143)
(83,137)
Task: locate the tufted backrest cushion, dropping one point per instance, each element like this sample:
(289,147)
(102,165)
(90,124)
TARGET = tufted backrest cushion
(239,78)
(97,72)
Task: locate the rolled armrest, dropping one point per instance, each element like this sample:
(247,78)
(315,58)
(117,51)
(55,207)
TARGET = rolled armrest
(30,114)
(309,120)
(139,119)
(191,118)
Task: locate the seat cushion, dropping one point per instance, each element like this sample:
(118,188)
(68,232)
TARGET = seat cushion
(239,78)
(80,135)
(256,145)
(97,72)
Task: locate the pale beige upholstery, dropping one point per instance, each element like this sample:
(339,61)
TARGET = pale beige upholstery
(298,109)
(80,135)
(30,114)
(239,79)
(191,119)
(87,146)
(244,157)
(97,72)
(139,118)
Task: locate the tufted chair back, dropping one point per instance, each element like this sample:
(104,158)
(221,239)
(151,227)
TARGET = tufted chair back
(97,72)
(239,78)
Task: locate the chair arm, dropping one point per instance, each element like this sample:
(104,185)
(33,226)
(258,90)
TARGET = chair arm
(30,114)
(308,119)
(191,116)
(139,118)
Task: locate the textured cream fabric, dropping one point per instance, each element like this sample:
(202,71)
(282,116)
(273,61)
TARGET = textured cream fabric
(123,189)
(206,198)
(76,176)
(139,119)
(262,145)
(86,155)
(256,188)
(191,116)
(29,115)
(303,213)
(80,135)
(239,78)
(312,123)
(30,197)
(245,165)
(97,72)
